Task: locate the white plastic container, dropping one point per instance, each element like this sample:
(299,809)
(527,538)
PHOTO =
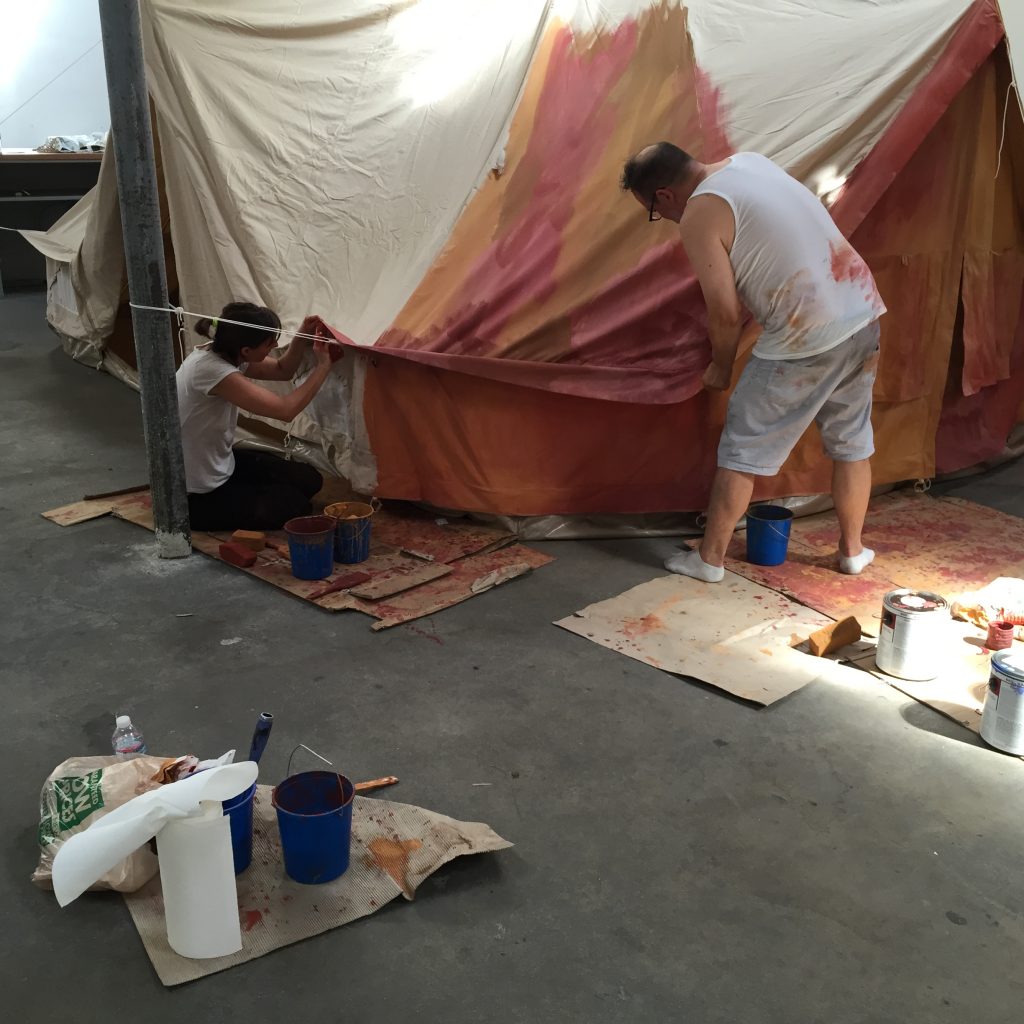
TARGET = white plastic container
(1002,721)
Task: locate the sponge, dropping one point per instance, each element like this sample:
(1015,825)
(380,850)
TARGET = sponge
(237,554)
(252,539)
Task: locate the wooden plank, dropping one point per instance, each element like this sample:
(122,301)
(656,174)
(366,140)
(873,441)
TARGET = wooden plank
(386,586)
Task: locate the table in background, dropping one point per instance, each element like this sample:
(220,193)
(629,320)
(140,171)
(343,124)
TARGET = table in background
(36,190)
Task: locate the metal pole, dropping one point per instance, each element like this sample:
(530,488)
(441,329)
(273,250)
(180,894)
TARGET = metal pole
(147,282)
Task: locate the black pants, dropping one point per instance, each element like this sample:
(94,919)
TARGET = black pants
(263,493)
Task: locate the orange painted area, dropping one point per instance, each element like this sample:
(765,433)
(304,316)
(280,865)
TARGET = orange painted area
(392,856)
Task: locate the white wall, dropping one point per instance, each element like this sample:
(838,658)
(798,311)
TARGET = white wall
(38,40)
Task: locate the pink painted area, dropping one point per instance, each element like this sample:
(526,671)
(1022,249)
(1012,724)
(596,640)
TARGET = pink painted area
(975,38)
(974,428)
(642,337)
(573,124)
(992,289)
(652,318)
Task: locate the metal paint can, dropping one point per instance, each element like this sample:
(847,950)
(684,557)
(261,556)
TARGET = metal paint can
(911,639)
(1002,721)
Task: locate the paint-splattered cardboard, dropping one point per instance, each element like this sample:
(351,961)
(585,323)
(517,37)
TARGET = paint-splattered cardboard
(394,848)
(735,635)
(418,565)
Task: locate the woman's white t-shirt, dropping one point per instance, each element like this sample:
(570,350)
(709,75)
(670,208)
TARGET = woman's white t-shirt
(207,422)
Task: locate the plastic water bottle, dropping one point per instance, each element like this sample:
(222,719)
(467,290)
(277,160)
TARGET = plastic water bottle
(128,740)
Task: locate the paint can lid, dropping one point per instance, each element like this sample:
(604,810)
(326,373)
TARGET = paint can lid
(1010,661)
(914,601)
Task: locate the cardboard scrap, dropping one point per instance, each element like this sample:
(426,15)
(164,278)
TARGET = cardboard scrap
(80,511)
(735,635)
(394,848)
(469,577)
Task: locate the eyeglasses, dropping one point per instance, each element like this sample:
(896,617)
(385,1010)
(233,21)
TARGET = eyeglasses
(652,214)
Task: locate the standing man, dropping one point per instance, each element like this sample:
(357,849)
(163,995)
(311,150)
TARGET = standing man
(757,238)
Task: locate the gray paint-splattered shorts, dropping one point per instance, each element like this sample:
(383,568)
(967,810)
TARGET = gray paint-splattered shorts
(776,400)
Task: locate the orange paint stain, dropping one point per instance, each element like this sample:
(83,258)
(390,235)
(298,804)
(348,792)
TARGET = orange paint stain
(392,856)
(652,622)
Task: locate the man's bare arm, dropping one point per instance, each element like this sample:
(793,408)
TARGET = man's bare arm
(706,229)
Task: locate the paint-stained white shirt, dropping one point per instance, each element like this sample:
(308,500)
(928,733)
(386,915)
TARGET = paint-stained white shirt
(796,273)
(208,423)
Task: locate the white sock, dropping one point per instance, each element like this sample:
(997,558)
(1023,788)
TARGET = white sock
(689,563)
(855,565)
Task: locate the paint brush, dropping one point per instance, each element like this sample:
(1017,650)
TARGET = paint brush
(260,736)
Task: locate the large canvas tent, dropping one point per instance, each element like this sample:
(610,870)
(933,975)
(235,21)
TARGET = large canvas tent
(439,180)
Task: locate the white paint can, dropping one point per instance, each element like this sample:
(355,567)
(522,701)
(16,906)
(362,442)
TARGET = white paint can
(912,637)
(1002,721)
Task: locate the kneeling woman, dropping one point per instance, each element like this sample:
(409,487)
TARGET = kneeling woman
(229,490)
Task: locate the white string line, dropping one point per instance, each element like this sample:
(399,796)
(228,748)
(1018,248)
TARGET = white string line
(181,312)
(1002,137)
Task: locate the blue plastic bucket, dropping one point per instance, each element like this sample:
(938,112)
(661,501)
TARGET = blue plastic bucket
(314,815)
(239,812)
(768,529)
(354,521)
(311,546)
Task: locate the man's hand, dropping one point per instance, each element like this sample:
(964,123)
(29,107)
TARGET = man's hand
(717,378)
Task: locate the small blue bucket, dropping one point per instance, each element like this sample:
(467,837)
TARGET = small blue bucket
(354,521)
(311,546)
(314,815)
(239,812)
(768,529)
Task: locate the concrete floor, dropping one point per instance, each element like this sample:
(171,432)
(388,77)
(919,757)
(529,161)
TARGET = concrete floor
(847,856)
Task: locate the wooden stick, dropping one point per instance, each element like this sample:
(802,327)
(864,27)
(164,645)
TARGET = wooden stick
(387,780)
(117,494)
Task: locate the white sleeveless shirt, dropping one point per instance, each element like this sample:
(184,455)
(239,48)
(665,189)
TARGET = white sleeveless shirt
(795,272)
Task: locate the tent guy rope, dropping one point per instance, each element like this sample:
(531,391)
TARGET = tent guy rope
(181,312)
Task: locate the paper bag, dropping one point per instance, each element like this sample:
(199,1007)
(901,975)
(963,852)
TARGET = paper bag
(81,791)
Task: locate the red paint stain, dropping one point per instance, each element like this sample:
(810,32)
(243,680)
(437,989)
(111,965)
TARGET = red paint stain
(250,918)
(429,636)
(846,265)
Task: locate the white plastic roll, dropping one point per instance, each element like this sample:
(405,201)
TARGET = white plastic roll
(197,875)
